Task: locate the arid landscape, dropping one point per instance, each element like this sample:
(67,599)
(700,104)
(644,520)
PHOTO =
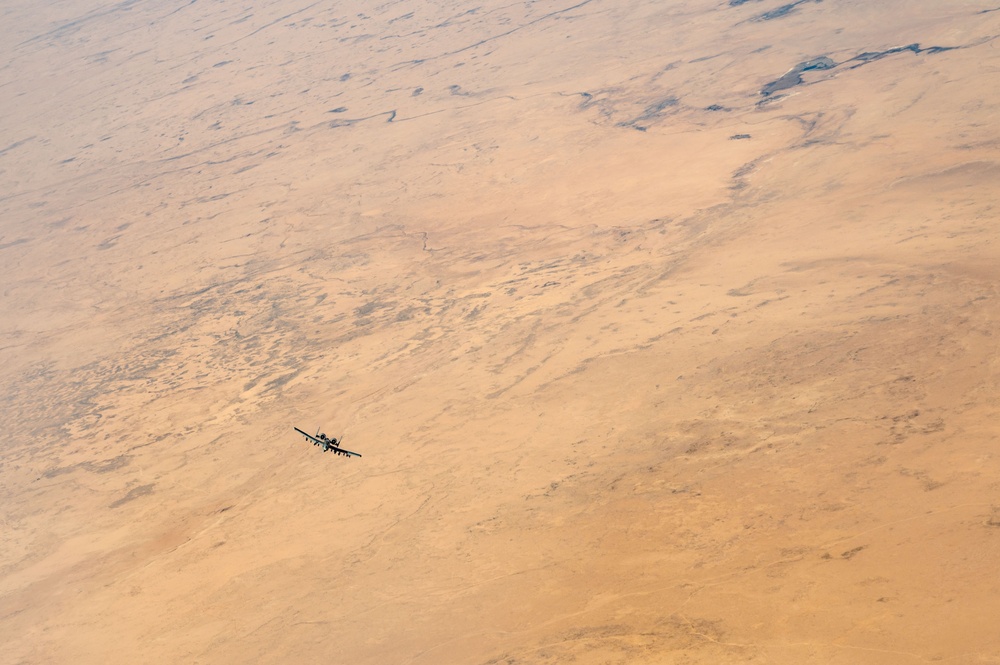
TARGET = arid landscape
(667,330)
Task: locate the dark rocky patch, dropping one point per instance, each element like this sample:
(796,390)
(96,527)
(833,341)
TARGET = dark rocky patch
(15,144)
(372,307)
(107,465)
(12,243)
(872,56)
(651,113)
(109,243)
(58,471)
(737,137)
(134,493)
(851,553)
(347,122)
(601,99)
(793,77)
(781,11)
(739,178)
(745,170)
(281,381)
(657,108)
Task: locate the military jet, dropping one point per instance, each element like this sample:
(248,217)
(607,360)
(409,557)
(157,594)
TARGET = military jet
(327,443)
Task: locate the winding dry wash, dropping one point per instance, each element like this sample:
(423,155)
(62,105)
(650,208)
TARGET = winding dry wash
(668,330)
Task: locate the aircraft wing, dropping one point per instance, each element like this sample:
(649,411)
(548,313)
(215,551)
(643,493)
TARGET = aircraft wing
(309,436)
(326,446)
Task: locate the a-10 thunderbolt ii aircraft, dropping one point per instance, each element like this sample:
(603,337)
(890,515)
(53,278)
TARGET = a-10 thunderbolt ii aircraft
(327,443)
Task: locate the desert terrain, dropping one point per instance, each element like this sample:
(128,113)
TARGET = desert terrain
(668,331)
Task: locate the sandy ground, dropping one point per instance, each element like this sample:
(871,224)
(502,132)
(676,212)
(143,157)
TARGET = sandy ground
(667,331)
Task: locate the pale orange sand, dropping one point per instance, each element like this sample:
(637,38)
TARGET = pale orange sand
(667,331)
